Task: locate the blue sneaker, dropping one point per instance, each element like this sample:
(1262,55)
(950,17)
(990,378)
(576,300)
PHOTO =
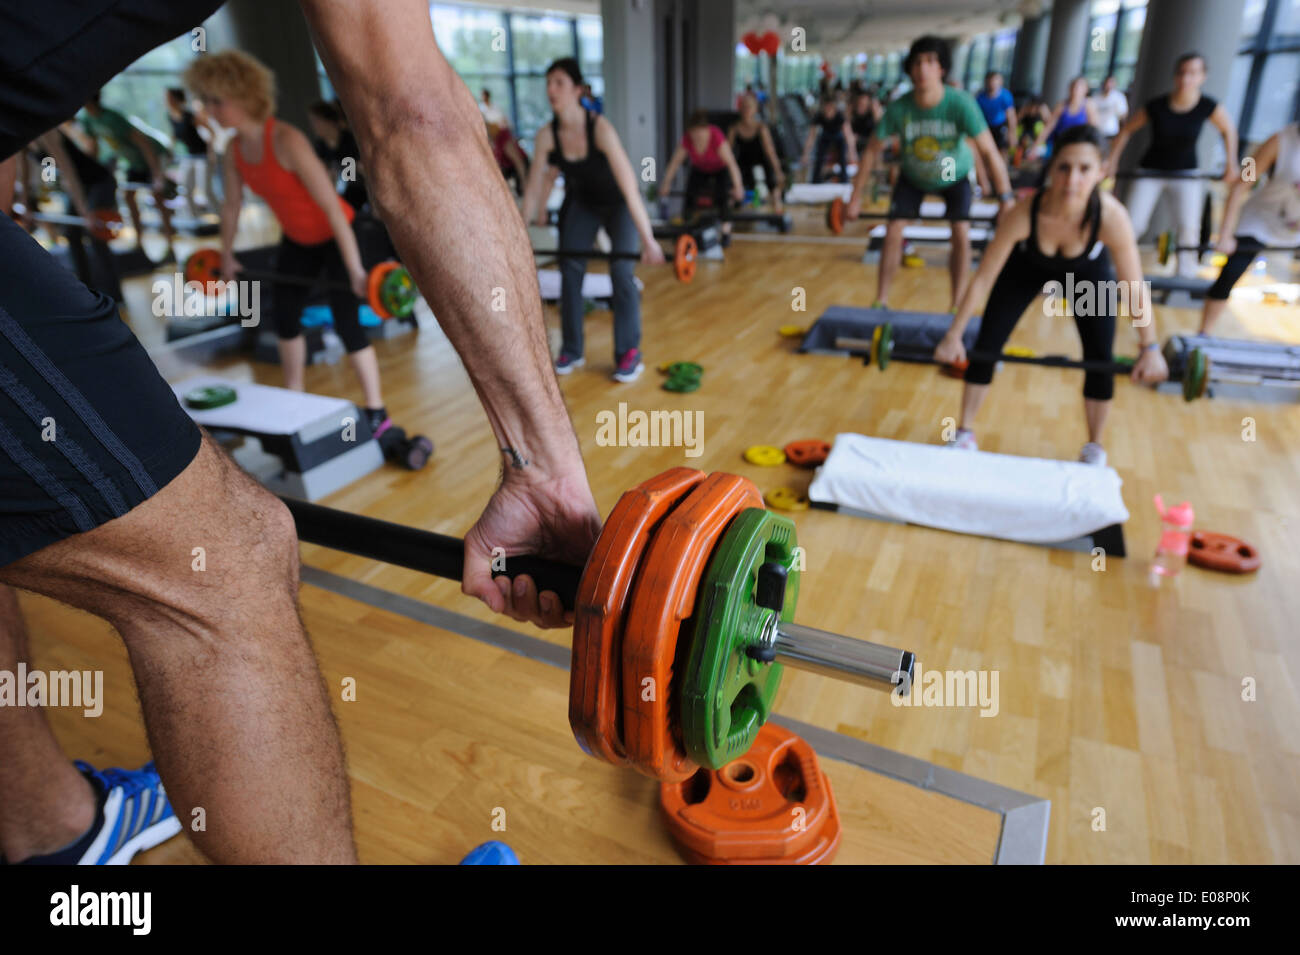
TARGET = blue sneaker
(491,853)
(135,814)
(567,363)
(629,366)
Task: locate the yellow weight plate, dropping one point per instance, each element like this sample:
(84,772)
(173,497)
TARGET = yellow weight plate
(913,262)
(792,331)
(764,455)
(786,499)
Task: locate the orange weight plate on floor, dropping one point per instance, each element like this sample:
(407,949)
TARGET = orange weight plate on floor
(604,594)
(773,804)
(807,453)
(662,598)
(1223,553)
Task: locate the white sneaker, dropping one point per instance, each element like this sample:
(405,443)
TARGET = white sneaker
(1093,453)
(964,441)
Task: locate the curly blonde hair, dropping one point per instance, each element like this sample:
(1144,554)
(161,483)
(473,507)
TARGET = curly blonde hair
(235,76)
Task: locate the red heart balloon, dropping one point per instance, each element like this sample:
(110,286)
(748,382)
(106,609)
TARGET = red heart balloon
(752,43)
(770,43)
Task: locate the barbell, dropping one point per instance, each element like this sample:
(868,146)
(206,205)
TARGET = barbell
(683,617)
(835,217)
(685,254)
(1166,246)
(104,224)
(391,291)
(879,349)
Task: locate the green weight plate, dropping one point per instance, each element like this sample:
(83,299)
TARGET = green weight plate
(682,384)
(685,369)
(1195,373)
(398,293)
(726,695)
(1128,361)
(209,397)
(885,349)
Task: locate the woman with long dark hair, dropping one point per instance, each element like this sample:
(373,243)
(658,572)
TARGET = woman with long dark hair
(600,189)
(1072,234)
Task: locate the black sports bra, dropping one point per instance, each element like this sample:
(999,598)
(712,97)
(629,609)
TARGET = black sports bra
(1092,219)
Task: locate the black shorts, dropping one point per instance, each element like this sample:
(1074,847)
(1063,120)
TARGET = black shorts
(905,202)
(88,428)
(711,187)
(139,174)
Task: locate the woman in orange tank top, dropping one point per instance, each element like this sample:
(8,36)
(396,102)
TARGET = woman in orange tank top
(277,162)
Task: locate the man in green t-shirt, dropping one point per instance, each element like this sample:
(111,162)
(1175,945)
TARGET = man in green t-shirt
(145,159)
(932,124)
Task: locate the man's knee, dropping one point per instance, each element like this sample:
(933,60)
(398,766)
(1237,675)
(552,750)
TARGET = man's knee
(209,545)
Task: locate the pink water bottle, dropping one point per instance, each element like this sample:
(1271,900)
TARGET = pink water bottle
(1175,537)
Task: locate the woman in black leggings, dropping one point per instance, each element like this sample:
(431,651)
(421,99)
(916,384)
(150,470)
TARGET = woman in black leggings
(1066,234)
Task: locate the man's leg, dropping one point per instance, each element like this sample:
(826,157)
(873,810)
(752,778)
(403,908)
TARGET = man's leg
(237,714)
(107,493)
(133,209)
(891,257)
(47,804)
(959,261)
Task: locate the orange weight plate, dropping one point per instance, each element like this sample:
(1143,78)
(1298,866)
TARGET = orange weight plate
(662,598)
(748,810)
(835,215)
(807,453)
(604,594)
(204,267)
(685,254)
(828,842)
(1222,552)
(375,282)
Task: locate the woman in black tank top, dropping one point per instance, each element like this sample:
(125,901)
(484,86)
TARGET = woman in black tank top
(600,189)
(751,143)
(862,120)
(1063,237)
(1176,119)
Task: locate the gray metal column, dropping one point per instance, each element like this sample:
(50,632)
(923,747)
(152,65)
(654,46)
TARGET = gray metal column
(631,79)
(276,34)
(1065,47)
(1174,27)
(715,54)
(1031,56)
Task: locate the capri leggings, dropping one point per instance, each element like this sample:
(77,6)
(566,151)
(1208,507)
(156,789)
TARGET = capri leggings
(1247,250)
(1020,283)
(309,262)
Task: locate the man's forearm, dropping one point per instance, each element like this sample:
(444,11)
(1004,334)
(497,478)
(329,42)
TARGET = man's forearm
(998,170)
(462,237)
(448,211)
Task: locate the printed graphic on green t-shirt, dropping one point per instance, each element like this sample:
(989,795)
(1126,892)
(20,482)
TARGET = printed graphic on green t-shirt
(934,150)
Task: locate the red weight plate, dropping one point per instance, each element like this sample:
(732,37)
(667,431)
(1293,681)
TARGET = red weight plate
(109,224)
(808,453)
(746,809)
(662,598)
(1222,552)
(604,594)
